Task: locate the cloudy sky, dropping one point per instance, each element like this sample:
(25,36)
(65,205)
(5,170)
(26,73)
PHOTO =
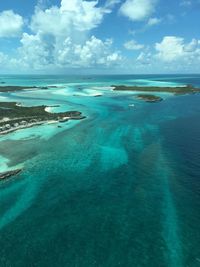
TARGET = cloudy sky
(105,36)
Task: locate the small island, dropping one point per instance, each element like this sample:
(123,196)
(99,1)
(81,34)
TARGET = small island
(8,174)
(179,90)
(14,88)
(10,88)
(149,98)
(13,116)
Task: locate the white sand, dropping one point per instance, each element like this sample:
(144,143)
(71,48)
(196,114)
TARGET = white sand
(48,109)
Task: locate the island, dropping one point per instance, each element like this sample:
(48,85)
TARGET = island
(13,116)
(187,89)
(149,98)
(9,88)
(14,88)
(8,174)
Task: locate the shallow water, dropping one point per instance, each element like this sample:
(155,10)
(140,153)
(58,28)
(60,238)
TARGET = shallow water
(120,188)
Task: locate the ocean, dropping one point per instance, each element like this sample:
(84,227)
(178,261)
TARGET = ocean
(119,188)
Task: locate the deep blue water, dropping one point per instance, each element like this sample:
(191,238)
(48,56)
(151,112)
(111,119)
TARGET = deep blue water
(120,188)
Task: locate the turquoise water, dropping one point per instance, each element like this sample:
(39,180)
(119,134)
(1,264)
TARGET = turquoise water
(120,188)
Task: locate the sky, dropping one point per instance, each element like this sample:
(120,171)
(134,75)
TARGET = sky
(99,37)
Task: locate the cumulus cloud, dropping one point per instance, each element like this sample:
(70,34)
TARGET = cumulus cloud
(172,54)
(3,58)
(144,58)
(112,3)
(73,15)
(11,24)
(170,49)
(43,3)
(35,52)
(173,48)
(153,21)
(93,53)
(192,46)
(138,10)
(61,37)
(133,45)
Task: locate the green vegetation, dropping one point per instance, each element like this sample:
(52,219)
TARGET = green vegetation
(188,89)
(11,88)
(13,116)
(14,110)
(15,88)
(149,98)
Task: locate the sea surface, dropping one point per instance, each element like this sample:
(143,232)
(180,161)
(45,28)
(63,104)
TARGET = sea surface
(120,188)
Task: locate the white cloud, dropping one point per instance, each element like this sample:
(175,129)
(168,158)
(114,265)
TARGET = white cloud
(73,15)
(173,48)
(170,49)
(93,53)
(8,63)
(85,15)
(192,46)
(3,58)
(96,52)
(112,3)
(138,10)
(60,37)
(133,45)
(153,21)
(36,53)
(11,24)
(144,58)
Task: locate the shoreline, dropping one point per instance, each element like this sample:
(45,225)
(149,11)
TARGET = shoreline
(13,88)
(187,89)
(14,116)
(24,127)
(149,98)
(8,174)
(149,94)
(46,122)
